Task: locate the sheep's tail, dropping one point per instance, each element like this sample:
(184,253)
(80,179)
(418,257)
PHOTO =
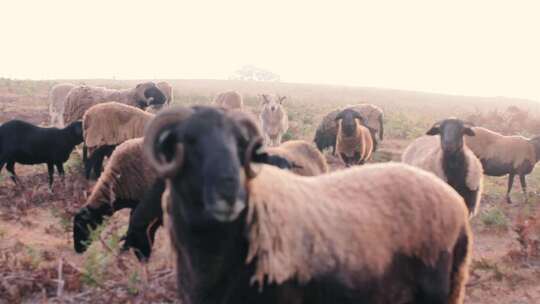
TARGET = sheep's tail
(460,267)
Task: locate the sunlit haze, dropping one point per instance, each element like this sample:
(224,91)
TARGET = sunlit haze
(486,48)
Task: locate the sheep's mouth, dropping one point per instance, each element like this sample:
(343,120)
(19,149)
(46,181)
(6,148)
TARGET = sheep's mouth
(228,213)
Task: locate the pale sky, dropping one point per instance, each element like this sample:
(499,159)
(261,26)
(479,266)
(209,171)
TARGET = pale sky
(483,47)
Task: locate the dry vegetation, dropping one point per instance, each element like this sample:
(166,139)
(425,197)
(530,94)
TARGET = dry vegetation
(37,261)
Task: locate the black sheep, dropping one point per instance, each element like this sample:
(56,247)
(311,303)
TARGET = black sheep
(24,143)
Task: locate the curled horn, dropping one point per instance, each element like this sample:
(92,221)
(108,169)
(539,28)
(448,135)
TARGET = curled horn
(159,129)
(255,144)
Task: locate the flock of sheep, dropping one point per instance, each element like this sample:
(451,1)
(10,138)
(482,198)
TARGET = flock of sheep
(255,220)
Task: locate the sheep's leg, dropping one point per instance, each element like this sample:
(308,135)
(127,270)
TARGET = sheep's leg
(88,165)
(523,183)
(2,163)
(50,170)
(98,165)
(11,168)
(60,169)
(510,184)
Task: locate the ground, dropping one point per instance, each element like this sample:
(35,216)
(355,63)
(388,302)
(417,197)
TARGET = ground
(38,263)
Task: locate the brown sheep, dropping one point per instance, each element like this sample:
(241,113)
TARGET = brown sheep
(229,100)
(81,98)
(444,153)
(326,133)
(303,156)
(501,155)
(274,119)
(345,237)
(354,143)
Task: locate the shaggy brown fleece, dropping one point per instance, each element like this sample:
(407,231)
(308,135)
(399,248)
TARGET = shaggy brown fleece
(351,222)
(307,160)
(112,123)
(127,175)
(229,100)
(361,143)
(514,150)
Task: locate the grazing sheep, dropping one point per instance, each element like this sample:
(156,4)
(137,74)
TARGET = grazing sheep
(274,120)
(81,98)
(24,143)
(57,101)
(501,155)
(326,133)
(386,233)
(304,157)
(354,143)
(449,158)
(229,100)
(107,125)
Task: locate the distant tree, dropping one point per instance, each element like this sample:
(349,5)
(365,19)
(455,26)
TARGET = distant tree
(250,72)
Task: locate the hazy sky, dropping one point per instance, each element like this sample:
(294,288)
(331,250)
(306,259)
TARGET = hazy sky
(469,47)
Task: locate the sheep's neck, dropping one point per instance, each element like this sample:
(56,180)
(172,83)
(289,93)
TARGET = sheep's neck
(208,259)
(455,167)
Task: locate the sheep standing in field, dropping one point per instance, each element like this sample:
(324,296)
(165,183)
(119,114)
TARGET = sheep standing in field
(326,134)
(444,153)
(276,236)
(229,100)
(501,155)
(57,101)
(304,157)
(274,120)
(81,98)
(24,143)
(107,125)
(354,143)
(168,91)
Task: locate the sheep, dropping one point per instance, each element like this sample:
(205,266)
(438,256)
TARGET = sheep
(501,155)
(401,235)
(443,152)
(229,100)
(148,215)
(81,98)
(274,120)
(25,143)
(354,143)
(326,133)
(305,159)
(167,89)
(107,125)
(57,100)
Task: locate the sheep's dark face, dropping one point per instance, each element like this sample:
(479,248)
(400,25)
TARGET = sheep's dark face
(86,220)
(203,157)
(348,119)
(155,96)
(451,131)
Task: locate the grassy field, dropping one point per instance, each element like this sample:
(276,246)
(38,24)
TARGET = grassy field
(37,262)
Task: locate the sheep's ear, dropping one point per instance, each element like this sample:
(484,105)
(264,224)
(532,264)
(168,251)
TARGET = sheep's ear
(281,99)
(264,98)
(469,131)
(435,129)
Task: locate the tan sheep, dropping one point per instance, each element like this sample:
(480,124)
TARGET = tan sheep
(81,98)
(501,155)
(326,133)
(304,157)
(229,100)
(354,143)
(57,101)
(274,119)
(444,153)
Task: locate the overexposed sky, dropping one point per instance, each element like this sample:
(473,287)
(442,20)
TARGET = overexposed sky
(473,47)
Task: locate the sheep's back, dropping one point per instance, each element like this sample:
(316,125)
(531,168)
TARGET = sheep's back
(425,153)
(489,145)
(112,123)
(303,154)
(349,223)
(82,98)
